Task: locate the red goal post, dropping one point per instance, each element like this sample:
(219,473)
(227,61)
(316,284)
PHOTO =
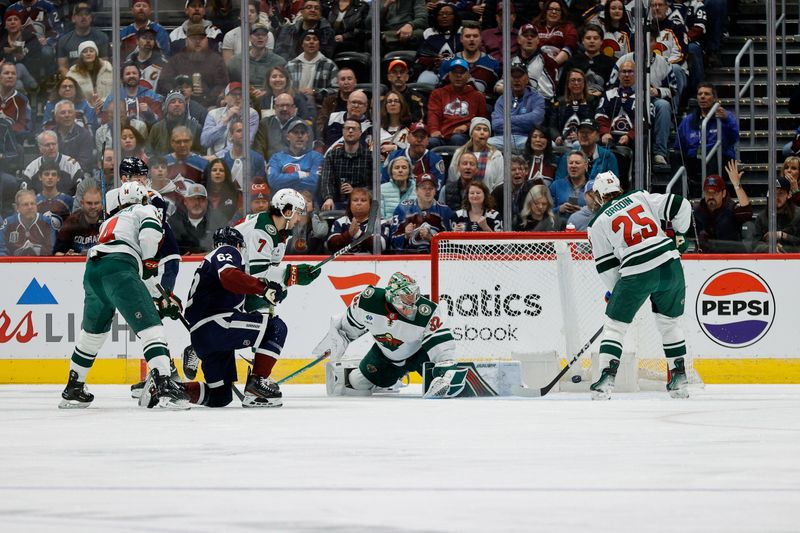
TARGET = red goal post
(508,294)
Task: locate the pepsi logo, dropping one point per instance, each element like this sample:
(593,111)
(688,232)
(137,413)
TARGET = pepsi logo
(735,308)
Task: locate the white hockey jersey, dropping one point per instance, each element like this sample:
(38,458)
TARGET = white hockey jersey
(397,337)
(265,247)
(136,231)
(627,237)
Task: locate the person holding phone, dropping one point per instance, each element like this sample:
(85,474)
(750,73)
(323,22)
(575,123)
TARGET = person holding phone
(568,192)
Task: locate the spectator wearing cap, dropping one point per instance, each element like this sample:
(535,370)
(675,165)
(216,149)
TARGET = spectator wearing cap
(194,109)
(440,42)
(312,71)
(195,11)
(527,111)
(14,106)
(67,45)
(260,58)
(542,69)
(484,70)
(416,222)
(402,24)
(397,76)
(788,222)
(232,42)
(490,168)
(349,20)
(223,193)
(259,198)
(70,171)
(334,103)
(215,129)
(567,193)
(233,156)
(73,140)
(400,187)
(492,38)
(451,108)
(423,161)
(688,139)
(48,28)
(94,75)
(718,219)
(591,60)
(345,168)
(182,161)
(289,43)
(194,227)
(129,35)
(27,233)
(147,57)
(175,114)
(298,166)
(81,229)
(598,159)
(205,68)
(141,103)
(23,49)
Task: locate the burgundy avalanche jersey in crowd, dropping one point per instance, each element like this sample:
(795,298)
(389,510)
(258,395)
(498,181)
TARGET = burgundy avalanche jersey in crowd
(207,296)
(58,207)
(34,239)
(77,234)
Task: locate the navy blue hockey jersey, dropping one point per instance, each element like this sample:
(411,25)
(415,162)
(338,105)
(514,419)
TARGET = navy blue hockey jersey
(208,297)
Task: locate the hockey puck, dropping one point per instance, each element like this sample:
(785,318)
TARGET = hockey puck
(576,378)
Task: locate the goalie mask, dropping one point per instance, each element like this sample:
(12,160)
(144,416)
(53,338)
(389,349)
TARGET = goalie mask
(402,293)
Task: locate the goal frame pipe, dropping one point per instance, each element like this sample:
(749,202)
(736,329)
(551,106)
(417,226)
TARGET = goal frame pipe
(489,236)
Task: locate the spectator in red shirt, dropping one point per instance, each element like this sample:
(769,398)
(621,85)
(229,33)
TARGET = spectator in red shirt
(451,108)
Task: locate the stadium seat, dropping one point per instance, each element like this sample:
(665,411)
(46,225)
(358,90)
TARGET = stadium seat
(359,62)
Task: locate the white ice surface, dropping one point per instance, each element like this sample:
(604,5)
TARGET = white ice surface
(727,460)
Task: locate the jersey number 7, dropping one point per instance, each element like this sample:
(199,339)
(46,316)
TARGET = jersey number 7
(644,228)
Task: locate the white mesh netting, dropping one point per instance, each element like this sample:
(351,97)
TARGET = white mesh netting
(507,294)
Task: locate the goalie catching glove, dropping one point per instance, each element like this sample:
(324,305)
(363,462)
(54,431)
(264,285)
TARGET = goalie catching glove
(300,274)
(168,306)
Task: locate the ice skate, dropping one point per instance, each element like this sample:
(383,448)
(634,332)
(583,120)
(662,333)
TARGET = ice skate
(75,395)
(603,387)
(261,392)
(190,363)
(136,388)
(678,386)
(163,392)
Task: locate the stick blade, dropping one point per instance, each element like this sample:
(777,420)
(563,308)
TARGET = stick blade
(526,392)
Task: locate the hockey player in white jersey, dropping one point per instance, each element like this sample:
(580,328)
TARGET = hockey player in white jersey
(408,331)
(637,260)
(113,280)
(265,236)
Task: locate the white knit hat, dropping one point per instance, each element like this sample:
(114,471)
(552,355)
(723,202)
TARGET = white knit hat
(478,121)
(87,44)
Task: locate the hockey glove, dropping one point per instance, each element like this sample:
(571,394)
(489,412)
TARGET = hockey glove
(300,274)
(169,306)
(274,293)
(149,268)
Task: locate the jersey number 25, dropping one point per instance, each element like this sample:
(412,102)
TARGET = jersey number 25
(635,227)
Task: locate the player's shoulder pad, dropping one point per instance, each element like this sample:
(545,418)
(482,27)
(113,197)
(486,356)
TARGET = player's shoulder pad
(228,249)
(372,293)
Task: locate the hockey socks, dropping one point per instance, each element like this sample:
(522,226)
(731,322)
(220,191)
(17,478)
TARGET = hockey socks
(196,391)
(85,353)
(263,364)
(156,352)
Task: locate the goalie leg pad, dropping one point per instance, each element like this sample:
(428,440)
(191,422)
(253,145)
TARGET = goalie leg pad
(449,379)
(338,376)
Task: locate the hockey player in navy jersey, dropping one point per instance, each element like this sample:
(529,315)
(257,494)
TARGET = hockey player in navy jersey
(218,326)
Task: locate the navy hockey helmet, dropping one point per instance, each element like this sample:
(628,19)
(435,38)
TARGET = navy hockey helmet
(133,166)
(230,236)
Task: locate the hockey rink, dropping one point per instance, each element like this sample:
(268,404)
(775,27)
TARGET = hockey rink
(726,460)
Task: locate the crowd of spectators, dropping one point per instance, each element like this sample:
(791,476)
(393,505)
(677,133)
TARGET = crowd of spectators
(310,123)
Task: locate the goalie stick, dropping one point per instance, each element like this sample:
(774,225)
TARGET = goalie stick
(368,231)
(536,393)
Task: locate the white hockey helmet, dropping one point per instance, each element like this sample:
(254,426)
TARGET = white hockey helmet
(402,292)
(284,198)
(131,193)
(606,183)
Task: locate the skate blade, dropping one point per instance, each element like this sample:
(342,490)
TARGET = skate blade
(679,394)
(73,404)
(136,393)
(601,395)
(261,402)
(175,405)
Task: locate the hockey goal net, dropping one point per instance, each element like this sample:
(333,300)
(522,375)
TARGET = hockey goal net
(510,295)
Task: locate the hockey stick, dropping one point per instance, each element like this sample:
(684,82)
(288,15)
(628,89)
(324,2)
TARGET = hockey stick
(296,372)
(368,231)
(536,393)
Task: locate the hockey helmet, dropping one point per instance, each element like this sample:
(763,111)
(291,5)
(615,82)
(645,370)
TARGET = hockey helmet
(133,166)
(402,292)
(131,193)
(230,236)
(285,198)
(606,183)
